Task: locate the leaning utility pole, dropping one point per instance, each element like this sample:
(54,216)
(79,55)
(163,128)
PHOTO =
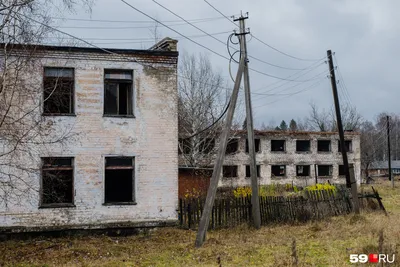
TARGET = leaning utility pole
(255,201)
(350,179)
(389,157)
(212,190)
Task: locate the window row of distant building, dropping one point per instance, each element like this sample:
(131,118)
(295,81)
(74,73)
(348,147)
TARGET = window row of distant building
(324,170)
(208,145)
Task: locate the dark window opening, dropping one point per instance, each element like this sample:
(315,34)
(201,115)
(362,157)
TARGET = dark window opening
(207,145)
(303,170)
(232,146)
(58,91)
(324,170)
(324,145)
(256,145)
(118,92)
(57,181)
(278,170)
(184,146)
(347,144)
(230,171)
(302,145)
(248,171)
(119,179)
(342,172)
(277,145)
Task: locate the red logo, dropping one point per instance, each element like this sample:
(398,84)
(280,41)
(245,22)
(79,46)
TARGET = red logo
(373,258)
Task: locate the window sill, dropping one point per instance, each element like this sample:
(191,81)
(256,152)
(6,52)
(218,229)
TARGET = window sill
(57,205)
(324,152)
(278,152)
(248,177)
(118,116)
(303,152)
(58,114)
(303,177)
(278,177)
(325,177)
(131,203)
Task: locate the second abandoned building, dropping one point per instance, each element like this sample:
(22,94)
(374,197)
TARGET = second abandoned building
(301,158)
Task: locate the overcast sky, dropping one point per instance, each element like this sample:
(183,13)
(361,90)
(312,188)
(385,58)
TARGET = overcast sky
(362,33)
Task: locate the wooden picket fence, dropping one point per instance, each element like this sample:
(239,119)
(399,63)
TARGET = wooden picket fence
(228,212)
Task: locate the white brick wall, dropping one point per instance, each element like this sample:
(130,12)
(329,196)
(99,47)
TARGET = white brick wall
(151,137)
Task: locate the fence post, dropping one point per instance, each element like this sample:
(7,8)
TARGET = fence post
(189,209)
(180,212)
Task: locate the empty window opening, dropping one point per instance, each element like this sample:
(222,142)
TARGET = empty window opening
(256,145)
(230,171)
(119,179)
(303,170)
(302,145)
(324,170)
(57,181)
(324,145)
(278,170)
(248,171)
(342,171)
(277,145)
(232,146)
(347,144)
(207,145)
(184,146)
(118,92)
(58,91)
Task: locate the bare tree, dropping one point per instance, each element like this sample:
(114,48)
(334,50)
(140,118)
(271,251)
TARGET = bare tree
(24,132)
(201,103)
(323,120)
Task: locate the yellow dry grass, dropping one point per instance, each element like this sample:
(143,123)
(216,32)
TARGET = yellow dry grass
(324,243)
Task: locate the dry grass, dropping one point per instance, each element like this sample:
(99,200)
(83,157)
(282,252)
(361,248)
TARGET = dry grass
(325,243)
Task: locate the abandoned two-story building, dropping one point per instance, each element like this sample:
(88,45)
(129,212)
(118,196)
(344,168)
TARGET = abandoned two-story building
(300,158)
(119,166)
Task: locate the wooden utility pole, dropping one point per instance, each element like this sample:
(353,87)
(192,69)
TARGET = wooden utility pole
(255,201)
(350,179)
(389,157)
(212,190)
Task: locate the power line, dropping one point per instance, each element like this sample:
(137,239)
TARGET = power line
(270,46)
(218,40)
(292,94)
(220,13)
(125,27)
(140,39)
(283,53)
(136,21)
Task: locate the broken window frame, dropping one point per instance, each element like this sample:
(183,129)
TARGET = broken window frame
(257,145)
(303,167)
(57,88)
(233,171)
(330,170)
(341,170)
(278,150)
(117,81)
(348,145)
(232,142)
(281,173)
(303,141)
(258,169)
(49,164)
(110,167)
(319,146)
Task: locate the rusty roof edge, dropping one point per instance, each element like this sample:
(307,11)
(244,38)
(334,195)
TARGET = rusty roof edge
(92,50)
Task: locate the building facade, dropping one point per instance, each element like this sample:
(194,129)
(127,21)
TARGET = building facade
(300,158)
(118,166)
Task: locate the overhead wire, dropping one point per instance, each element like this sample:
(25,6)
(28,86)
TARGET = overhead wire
(134,21)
